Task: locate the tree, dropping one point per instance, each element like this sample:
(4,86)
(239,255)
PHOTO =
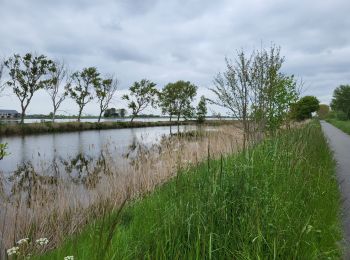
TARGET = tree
(27,75)
(304,108)
(110,112)
(3,147)
(175,100)
(323,111)
(2,86)
(122,112)
(59,79)
(142,94)
(341,100)
(201,109)
(105,92)
(256,92)
(82,84)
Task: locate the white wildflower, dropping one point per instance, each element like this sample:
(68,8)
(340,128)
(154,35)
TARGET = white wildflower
(70,257)
(13,251)
(42,241)
(23,241)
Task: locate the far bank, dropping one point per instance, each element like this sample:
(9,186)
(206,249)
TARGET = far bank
(49,127)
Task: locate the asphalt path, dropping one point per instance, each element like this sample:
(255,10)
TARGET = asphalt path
(339,142)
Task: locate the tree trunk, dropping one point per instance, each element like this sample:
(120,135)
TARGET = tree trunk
(23,114)
(132,119)
(79,115)
(54,115)
(99,117)
(171,116)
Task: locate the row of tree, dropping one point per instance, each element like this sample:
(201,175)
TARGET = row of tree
(30,73)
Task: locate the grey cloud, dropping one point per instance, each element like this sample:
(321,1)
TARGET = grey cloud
(180,39)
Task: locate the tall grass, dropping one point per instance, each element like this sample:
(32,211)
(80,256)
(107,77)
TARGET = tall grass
(278,200)
(343,125)
(59,199)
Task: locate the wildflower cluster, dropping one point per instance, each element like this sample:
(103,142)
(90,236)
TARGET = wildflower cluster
(13,251)
(42,241)
(23,241)
(23,247)
(70,257)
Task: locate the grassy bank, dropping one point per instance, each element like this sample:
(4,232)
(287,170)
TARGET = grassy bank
(343,125)
(49,127)
(277,201)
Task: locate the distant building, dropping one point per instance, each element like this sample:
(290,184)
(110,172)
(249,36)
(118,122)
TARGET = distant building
(6,114)
(112,112)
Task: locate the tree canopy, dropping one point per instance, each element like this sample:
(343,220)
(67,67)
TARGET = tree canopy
(83,82)
(201,109)
(304,108)
(341,100)
(323,111)
(27,75)
(176,98)
(142,94)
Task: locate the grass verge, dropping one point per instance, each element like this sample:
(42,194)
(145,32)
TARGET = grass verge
(279,200)
(342,125)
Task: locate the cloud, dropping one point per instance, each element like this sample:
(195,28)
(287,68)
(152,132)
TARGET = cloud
(178,39)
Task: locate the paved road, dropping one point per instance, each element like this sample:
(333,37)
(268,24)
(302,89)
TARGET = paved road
(340,144)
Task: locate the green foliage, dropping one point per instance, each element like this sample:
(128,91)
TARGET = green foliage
(83,83)
(280,96)
(304,108)
(279,200)
(112,112)
(142,94)
(323,111)
(175,99)
(201,109)
(254,90)
(58,77)
(105,91)
(341,100)
(27,75)
(3,152)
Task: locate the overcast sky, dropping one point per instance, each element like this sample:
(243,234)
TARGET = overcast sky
(165,41)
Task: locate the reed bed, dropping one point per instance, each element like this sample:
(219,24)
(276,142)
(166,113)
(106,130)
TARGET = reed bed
(48,205)
(278,200)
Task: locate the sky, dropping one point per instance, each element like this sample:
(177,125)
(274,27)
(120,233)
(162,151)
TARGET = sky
(166,41)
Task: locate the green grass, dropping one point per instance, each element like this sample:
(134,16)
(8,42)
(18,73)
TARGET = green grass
(279,200)
(343,125)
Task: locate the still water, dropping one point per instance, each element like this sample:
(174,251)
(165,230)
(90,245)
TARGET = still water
(41,150)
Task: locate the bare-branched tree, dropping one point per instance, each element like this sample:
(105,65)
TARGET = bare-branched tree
(57,86)
(256,92)
(2,85)
(232,90)
(105,92)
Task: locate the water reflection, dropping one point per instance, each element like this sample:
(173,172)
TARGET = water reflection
(37,162)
